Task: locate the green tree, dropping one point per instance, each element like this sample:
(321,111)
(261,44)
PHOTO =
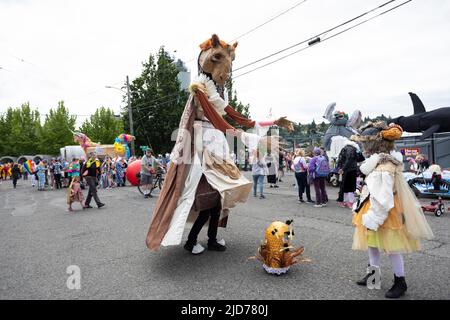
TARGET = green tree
(57,130)
(236,104)
(19,129)
(312,128)
(103,126)
(4,133)
(323,127)
(157,102)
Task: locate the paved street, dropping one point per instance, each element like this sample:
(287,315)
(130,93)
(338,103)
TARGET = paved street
(39,239)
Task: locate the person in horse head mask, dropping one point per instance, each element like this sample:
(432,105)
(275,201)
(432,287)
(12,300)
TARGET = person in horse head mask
(202,181)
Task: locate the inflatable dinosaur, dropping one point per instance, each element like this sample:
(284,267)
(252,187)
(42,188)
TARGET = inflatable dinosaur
(119,148)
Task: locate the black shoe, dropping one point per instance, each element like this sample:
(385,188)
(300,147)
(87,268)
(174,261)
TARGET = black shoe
(215,246)
(275,186)
(301,200)
(363,281)
(100,205)
(189,247)
(310,201)
(398,289)
(87,206)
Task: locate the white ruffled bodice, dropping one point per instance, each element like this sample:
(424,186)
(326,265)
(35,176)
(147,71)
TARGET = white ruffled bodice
(380,188)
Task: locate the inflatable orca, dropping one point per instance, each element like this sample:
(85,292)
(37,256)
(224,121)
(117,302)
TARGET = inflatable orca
(428,122)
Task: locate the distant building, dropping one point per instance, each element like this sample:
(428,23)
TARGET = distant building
(184,75)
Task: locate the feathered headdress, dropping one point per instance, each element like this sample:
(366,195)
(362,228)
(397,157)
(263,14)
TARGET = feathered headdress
(377,131)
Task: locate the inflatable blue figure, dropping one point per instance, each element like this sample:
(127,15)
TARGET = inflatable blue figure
(340,124)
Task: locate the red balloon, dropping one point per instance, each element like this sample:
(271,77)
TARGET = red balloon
(132,169)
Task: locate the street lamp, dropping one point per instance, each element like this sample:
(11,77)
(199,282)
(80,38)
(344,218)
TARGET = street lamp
(130,111)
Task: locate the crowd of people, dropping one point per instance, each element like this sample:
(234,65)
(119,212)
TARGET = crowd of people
(78,174)
(311,168)
(58,173)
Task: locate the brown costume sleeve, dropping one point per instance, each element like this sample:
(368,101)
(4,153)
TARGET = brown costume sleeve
(239,118)
(212,115)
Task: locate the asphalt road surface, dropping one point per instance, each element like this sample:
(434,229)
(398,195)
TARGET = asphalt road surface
(40,239)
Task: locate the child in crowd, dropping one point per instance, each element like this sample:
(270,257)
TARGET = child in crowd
(75,194)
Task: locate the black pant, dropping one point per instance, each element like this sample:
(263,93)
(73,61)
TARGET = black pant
(302,182)
(58,181)
(15,182)
(92,183)
(341,193)
(213,215)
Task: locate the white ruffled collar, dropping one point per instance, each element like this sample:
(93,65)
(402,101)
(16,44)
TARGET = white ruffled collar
(211,89)
(371,163)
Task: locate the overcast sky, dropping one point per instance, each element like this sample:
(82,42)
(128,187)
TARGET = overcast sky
(69,50)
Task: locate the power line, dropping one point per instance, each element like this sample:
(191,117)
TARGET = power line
(292,53)
(314,37)
(162,98)
(156,105)
(262,24)
(270,20)
(307,40)
(280,51)
(322,40)
(238,37)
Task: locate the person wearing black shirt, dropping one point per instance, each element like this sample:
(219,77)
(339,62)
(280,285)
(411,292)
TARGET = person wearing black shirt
(89,172)
(347,163)
(15,173)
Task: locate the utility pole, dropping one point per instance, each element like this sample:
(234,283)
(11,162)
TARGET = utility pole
(130,116)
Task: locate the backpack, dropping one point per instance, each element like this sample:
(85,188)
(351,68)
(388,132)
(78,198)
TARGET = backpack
(298,167)
(322,167)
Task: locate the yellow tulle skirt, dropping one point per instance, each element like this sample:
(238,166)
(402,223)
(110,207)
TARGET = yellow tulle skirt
(391,236)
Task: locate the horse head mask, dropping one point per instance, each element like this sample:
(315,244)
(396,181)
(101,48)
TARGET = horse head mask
(215,59)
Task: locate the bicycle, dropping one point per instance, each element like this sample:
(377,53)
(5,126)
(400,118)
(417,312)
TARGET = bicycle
(158,181)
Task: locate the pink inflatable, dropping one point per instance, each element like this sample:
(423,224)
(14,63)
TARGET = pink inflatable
(132,169)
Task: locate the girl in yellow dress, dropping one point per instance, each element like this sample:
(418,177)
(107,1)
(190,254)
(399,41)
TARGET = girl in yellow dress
(388,217)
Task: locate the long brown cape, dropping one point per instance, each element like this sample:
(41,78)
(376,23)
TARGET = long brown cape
(173,184)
